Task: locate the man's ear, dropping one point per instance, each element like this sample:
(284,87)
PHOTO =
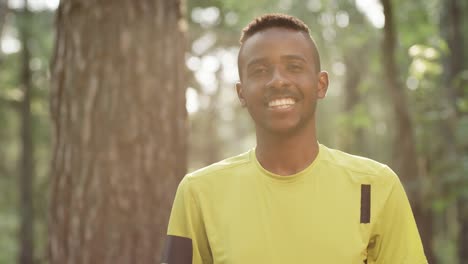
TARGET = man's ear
(240,94)
(322,86)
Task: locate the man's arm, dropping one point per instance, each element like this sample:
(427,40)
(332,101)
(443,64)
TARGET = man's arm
(186,240)
(395,238)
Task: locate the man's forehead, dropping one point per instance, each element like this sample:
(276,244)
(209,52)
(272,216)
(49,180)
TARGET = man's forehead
(262,40)
(279,33)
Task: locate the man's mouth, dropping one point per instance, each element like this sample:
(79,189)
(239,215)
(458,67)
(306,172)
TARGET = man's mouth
(281,103)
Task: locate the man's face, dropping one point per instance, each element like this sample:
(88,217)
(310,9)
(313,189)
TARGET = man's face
(279,82)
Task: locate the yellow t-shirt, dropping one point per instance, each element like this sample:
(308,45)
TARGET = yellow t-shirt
(342,209)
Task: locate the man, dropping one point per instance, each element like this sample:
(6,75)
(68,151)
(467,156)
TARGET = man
(290,200)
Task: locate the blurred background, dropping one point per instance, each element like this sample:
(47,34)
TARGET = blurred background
(398,94)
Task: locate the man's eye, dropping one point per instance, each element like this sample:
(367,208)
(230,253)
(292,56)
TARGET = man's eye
(294,67)
(260,70)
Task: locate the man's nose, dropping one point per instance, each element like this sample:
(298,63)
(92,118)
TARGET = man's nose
(278,79)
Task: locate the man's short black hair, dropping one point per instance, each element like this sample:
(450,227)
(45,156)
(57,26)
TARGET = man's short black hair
(275,20)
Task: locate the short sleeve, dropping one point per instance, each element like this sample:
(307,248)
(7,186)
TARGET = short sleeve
(395,238)
(186,228)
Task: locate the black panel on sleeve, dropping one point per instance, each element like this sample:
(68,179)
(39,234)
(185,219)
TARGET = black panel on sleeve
(177,250)
(365,203)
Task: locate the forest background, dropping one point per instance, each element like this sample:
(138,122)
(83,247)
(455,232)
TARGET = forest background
(398,94)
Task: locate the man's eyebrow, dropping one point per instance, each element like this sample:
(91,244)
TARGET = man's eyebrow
(256,61)
(293,57)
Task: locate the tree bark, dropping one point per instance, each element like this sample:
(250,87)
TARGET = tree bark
(26,164)
(451,25)
(405,155)
(118,108)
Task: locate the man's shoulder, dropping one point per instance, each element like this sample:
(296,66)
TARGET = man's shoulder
(358,167)
(221,168)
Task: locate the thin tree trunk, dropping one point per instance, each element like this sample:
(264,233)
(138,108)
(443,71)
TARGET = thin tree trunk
(451,31)
(353,137)
(213,148)
(118,107)
(405,156)
(26,175)
(356,58)
(3,13)
(463,231)
(454,37)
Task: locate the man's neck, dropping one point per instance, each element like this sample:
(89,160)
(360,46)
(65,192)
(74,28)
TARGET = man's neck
(287,155)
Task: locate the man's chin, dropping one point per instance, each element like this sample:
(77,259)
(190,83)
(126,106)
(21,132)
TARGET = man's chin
(284,130)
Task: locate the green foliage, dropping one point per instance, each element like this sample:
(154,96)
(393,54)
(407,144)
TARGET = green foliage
(357,118)
(9,223)
(462,131)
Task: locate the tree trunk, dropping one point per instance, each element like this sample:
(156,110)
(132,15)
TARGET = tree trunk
(3,13)
(452,19)
(463,231)
(118,107)
(405,156)
(26,170)
(355,55)
(352,138)
(451,30)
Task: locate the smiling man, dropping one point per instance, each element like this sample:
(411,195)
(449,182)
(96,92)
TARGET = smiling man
(290,199)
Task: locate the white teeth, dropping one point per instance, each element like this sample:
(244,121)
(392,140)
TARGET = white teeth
(283,102)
